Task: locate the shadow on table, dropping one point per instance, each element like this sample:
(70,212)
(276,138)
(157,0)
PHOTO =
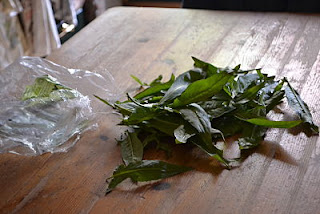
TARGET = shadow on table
(271,150)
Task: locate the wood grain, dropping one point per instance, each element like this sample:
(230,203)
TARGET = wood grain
(282,176)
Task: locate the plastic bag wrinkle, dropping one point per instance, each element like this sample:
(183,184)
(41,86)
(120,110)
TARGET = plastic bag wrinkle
(33,126)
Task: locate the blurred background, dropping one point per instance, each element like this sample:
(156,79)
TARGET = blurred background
(37,27)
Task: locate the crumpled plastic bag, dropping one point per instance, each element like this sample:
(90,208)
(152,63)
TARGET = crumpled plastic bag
(36,126)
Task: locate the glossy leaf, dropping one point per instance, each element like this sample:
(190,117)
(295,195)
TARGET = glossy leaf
(200,120)
(202,89)
(180,85)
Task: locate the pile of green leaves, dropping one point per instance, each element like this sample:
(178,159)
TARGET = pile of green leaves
(200,107)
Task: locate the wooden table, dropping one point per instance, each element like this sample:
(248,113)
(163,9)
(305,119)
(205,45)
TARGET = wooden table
(282,176)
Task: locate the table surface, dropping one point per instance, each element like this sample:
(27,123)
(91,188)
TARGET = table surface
(281,176)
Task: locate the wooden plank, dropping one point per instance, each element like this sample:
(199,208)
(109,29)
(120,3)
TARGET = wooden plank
(283,176)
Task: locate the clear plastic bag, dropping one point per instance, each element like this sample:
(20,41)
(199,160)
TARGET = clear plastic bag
(33,128)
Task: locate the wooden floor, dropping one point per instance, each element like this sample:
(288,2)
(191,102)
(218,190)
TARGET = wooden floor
(282,176)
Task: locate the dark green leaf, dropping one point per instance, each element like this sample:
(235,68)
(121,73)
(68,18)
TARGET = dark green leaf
(218,105)
(166,123)
(202,89)
(279,86)
(131,148)
(153,137)
(251,136)
(298,105)
(200,120)
(146,170)
(237,67)
(274,100)
(249,94)
(228,125)
(246,81)
(211,150)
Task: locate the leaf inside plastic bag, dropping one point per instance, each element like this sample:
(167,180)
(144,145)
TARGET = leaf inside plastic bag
(42,87)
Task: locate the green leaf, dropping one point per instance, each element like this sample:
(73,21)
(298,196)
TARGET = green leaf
(153,137)
(131,148)
(202,89)
(43,87)
(237,67)
(200,120)
(274,100)
(197,117)
(298,105)
(224,125)
(104,101)
(272,124)
(207,67)
(155,89)
(156,81)
(146,170)
(126,108)
(249,94)
(219,105)
(180,85)
(154,99)
(246,81)
(166,123)
(210,150)
(138,80)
